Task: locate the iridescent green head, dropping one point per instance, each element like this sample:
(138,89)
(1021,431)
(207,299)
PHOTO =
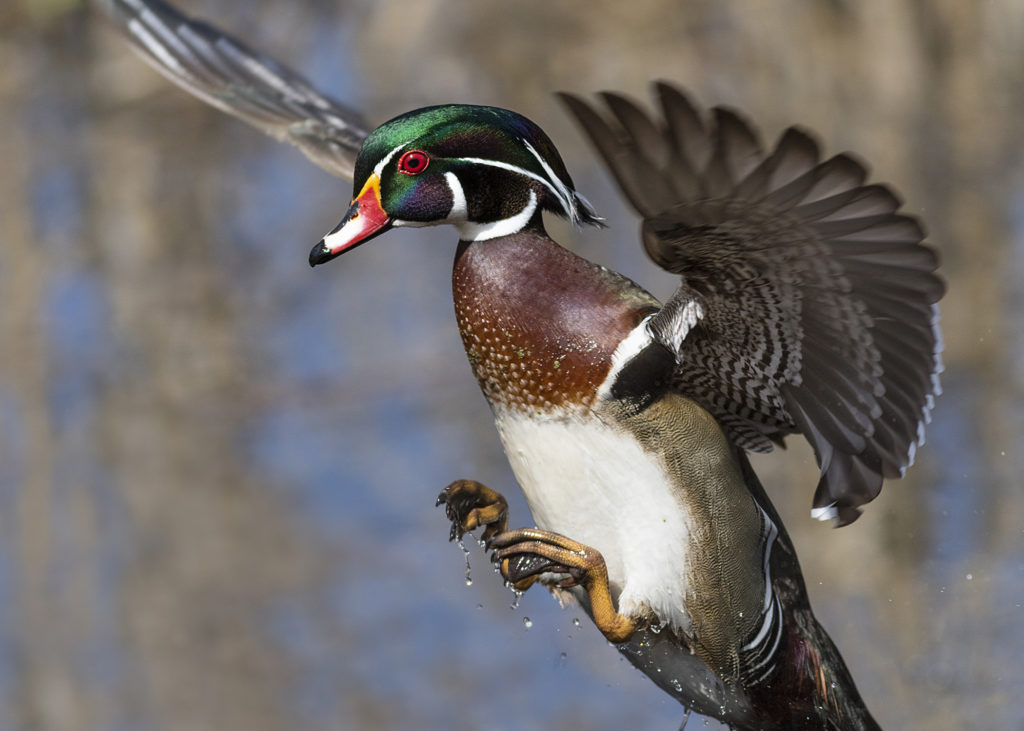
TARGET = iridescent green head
(487,171)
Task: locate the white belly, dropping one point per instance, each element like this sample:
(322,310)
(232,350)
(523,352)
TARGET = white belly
(595,484)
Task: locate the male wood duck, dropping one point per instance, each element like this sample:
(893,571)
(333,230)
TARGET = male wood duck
(807,304)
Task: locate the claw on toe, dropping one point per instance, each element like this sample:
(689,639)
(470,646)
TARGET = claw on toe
(523,569)
(524,555)
(470,505)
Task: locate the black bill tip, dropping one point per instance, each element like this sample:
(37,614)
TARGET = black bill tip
(321,254)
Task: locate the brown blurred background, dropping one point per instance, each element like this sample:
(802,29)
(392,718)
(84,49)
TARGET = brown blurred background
(218,467)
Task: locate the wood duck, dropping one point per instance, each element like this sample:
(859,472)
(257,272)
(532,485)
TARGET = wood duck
(807,304)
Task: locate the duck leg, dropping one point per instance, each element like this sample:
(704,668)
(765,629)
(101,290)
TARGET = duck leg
(469,505)
(527,553)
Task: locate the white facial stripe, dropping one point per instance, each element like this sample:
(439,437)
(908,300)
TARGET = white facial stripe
(563,191)
(379,169)
(521,171)
(470,231)
(459,213)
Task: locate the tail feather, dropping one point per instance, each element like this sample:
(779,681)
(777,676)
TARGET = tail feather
(813,688)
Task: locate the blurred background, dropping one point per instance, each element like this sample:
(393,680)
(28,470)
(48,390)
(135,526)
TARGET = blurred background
(218,467)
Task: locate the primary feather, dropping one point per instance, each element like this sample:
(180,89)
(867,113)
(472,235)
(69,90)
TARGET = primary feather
(227,74)
(817,296)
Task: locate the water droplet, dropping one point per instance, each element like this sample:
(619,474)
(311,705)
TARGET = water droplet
(479,606)
(527,622)
(465,554)
(655,628)
(576,621)
(563,656)
(970,577)
(515,601)
(686,719)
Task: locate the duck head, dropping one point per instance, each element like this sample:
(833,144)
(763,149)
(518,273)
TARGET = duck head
(487,171)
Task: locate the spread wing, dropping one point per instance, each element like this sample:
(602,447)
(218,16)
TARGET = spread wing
(227,74)
(807,302)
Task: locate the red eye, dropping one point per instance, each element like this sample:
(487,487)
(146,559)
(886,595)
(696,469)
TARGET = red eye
(413,162)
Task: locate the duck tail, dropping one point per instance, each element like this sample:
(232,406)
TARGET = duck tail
(812,688)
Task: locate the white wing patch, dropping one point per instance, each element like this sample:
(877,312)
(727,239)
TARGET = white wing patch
(679,327)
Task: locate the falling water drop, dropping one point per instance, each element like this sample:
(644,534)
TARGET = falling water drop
(515,601)
(527,622)
(686,720)
(576,621)
(465,554)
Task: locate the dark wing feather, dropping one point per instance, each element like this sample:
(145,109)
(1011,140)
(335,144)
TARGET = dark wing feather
(224,72)
(808,302)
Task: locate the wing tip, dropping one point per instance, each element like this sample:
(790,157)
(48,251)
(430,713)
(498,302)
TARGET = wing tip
(826,513)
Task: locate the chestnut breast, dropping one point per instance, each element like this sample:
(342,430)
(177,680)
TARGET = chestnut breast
(539,323)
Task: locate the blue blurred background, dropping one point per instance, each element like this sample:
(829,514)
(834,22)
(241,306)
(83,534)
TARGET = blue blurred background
(218,467)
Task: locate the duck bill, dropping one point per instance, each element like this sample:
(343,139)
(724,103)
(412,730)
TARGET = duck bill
(365,219)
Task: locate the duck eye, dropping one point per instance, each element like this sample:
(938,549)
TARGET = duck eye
(413,162)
